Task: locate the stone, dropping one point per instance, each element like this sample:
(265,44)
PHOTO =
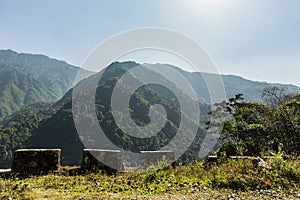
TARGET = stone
(210,159)
(157,158)
(242,157)
(5,171)
(108,161)
(258,162)
(36,161)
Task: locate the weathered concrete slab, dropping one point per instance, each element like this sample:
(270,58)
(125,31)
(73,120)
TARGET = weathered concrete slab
(109,161)
(157,158)
(5,171)
(36,161)
(210,159)
(242,157)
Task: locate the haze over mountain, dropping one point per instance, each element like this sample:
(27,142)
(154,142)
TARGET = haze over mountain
(50,126)
(29,78)
(232,84)
(53,127)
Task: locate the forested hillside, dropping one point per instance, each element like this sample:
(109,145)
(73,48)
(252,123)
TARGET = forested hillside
(54,131)
(28,78)
(31,83)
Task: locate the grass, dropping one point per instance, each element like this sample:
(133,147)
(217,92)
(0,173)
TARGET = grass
(223,180)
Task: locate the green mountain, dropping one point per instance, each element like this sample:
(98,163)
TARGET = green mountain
(55,131)
(28,78)
(53,127)
(18,89)
(233,85)
(42,125)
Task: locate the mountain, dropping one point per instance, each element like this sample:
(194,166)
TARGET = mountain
(60,127)
(28,78)
(18,89)
(54,126)
(252,90)
(51,125)
(233,84)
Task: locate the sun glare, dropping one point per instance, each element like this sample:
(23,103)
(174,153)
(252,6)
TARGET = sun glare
(207,6)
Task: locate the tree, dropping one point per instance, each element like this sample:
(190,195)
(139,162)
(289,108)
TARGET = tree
(252,128)
(282,120)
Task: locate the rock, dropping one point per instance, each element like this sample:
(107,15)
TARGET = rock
(210,159)
(258,162)
(109,161)
(5,172)
(36,161)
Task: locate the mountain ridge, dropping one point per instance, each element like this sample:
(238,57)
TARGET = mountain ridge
(50,124)
(52,79)
(233,84)
(52,129)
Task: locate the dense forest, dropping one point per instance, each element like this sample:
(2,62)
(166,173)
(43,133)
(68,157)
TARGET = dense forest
(263,120)
(51,127)
(28,78)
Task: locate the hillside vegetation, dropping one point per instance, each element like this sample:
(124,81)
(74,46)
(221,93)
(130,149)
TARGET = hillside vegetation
(31,78)
(28,78)
(49,126)
(260,120)
(225,180)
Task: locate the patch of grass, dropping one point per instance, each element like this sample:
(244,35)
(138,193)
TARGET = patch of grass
(231,176)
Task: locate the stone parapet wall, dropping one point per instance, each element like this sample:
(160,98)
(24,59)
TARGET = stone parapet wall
(101,159)
(36,161)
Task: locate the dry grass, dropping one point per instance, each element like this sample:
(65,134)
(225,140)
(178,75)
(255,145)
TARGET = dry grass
(228,180)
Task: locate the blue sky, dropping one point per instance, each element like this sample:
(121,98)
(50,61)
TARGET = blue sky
(256,39)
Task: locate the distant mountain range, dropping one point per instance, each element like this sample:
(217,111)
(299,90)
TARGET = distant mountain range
(28,78)
(32,87)
(233,85)
(54,127)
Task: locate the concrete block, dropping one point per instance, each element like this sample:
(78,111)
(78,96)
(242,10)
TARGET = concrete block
(36,161)
(108,161)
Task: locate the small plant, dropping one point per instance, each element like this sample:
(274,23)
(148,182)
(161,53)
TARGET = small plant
(232,175)
(151,176)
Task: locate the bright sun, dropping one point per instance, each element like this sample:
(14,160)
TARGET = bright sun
(209,4)
(207,8)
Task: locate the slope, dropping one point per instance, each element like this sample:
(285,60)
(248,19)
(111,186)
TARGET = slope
(28,78)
